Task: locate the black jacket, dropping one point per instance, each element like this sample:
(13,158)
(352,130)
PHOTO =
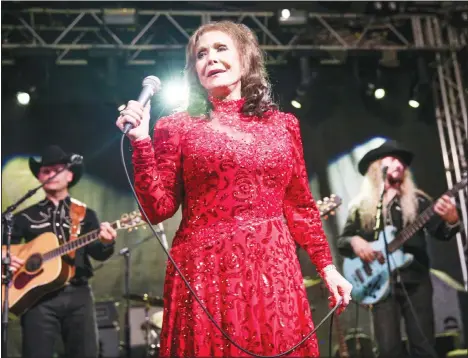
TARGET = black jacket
(416,245)
(46,217)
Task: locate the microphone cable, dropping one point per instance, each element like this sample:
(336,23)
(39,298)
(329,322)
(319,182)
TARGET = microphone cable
(330,314)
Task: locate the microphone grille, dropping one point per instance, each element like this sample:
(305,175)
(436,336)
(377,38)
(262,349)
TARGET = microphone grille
(153,82)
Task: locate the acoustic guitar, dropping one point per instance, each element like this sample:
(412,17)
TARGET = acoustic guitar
(45,266)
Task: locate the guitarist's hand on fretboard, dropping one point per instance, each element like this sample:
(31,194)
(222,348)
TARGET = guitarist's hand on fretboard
(107,234)
(446,210)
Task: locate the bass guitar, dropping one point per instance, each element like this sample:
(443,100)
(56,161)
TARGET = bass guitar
(370,280)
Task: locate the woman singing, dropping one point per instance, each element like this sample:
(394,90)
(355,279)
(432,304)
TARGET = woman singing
(236,165)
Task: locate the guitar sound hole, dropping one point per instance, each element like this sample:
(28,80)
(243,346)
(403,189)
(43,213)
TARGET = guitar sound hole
(34,263)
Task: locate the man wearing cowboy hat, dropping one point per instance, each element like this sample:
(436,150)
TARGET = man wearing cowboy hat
(402,203)
(69,311)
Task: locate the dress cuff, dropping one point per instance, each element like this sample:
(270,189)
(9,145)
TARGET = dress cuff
(141,144)
(326,269)
(143,155)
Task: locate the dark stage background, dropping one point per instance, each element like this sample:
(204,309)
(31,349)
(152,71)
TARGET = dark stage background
(76,107)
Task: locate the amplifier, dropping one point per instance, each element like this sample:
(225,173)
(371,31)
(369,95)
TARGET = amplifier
(444,342)
(107,315)
(109,342)
(107,319)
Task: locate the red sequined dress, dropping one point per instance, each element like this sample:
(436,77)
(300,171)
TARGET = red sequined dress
(245,198)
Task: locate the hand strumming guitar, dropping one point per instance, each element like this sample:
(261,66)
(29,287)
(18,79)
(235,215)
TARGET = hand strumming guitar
(15,264)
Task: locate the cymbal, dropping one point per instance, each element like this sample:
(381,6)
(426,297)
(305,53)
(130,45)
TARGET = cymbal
(157,319)
(147,325)
(309,282)
(145,298)
(449,280)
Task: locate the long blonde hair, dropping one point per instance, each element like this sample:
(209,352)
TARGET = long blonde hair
(255,86)
(368,198)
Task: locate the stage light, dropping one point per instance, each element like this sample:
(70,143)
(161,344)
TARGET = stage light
(418,94)
(385,8)
(292,17)
(119,16)
(175,93)
(296,104)
(379,93)
(285,14)
(23,98)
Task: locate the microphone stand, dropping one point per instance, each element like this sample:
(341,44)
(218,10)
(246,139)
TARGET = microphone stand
(380,227)
(7,224)
(131,248)
(125,252)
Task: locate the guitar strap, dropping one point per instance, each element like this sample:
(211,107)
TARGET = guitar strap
(77,214)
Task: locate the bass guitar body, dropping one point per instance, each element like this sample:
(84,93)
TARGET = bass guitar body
(370,281)
(37,276)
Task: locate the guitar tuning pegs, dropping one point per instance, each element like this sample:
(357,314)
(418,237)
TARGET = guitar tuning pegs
(319,202)
(327,199)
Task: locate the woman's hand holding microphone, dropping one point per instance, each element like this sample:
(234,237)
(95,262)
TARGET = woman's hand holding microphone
(138,116)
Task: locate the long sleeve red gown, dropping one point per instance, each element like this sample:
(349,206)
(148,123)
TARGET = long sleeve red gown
(245,199)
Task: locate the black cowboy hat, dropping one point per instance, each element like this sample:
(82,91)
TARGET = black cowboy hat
(52,155)
(388,148)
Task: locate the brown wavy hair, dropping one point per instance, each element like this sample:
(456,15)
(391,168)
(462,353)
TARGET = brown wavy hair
(255,86)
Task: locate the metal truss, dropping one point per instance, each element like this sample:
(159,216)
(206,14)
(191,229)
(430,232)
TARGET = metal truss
(72,35)
(450,96)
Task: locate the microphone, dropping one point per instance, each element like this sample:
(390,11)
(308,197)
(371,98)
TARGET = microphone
(163,235)
(76,159)
(151,85)
(384,172)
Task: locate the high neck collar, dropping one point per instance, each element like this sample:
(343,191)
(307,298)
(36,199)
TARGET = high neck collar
(227,105)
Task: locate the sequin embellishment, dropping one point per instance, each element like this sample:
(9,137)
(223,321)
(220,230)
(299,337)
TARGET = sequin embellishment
(245,199)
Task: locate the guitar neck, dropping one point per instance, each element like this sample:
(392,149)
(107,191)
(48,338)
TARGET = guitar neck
(342,346)
(76,244)
(410,230)
(421,220)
